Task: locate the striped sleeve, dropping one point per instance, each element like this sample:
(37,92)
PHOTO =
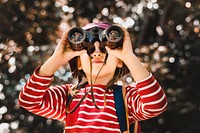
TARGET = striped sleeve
(40,99)
(146,99)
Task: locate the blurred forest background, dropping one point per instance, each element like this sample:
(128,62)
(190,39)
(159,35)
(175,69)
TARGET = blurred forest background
(165,35)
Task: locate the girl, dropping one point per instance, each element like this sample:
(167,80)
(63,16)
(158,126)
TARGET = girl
(91,107)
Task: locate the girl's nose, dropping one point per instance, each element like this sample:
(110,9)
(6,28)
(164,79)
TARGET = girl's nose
(97,52)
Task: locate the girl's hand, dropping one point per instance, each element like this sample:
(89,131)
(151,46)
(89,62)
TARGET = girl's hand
(63,52)
(61,56)
(126,50)
(137,70)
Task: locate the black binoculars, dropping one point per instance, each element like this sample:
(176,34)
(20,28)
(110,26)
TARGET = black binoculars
(80,39)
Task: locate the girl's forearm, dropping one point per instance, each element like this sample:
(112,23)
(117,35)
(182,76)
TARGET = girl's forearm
(137,69)
(50,66)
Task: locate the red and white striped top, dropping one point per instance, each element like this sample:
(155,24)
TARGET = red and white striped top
(145,100)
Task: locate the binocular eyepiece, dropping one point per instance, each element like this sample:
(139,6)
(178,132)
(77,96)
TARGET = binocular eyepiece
(80,39)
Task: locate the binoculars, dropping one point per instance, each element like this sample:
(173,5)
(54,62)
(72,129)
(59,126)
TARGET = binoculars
(80,39)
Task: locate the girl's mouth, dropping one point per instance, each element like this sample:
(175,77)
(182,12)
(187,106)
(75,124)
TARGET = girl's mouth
(97,61)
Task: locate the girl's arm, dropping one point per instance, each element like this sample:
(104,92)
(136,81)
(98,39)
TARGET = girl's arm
(40,99)
(36,96)
(146,98)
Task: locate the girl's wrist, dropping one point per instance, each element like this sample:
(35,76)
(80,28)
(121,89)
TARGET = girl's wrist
(137,69)
(130,59)
(127,56)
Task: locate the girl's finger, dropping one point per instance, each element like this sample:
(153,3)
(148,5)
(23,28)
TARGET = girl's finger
(78,53)
(108,49)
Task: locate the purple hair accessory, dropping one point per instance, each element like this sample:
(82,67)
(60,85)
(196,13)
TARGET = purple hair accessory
(100,25)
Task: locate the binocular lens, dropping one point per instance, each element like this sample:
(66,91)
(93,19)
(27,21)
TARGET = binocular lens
(113,35)
(76,37)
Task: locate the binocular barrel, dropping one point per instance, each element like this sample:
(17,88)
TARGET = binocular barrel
(76,37)
(111,37)
(114,36)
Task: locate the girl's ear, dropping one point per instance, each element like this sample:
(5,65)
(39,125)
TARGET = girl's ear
(120,64)
(79,64)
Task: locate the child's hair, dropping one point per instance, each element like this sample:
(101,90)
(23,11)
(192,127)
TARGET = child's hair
(79,74)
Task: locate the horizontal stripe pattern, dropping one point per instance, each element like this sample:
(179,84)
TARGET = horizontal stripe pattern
(145,100)
(88,118)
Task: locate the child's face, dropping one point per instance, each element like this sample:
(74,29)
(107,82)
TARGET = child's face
(98,57)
